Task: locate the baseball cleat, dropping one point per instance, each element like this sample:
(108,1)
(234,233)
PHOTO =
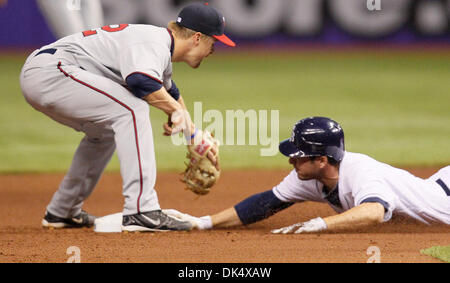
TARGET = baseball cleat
(153,221)
(81,220)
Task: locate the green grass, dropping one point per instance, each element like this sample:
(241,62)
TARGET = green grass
(392,106)
(439,252)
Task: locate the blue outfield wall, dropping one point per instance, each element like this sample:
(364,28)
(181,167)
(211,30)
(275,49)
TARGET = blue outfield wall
(22,25)
(269,22)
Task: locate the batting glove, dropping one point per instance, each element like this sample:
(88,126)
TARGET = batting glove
(201,223)
(313,225)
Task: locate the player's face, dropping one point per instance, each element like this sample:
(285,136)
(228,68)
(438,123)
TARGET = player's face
(306,168)
(203,49)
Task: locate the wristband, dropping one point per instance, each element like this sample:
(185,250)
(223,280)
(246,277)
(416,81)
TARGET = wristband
(205,223)
(193,135)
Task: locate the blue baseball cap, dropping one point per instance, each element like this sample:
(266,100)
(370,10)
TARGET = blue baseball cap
(205,19)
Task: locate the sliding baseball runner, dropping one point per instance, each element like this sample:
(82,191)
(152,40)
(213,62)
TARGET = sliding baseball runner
(362,190)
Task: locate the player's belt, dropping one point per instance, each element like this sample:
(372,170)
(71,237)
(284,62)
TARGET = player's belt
(49,51)
(444,186)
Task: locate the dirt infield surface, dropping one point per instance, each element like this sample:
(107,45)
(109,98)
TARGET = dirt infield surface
(23,199)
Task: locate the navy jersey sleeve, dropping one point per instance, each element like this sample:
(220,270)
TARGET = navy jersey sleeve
(259,207)
(141,84)
(174,91)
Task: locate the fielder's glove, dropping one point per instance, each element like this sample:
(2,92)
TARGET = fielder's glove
(313,225)
(202,171)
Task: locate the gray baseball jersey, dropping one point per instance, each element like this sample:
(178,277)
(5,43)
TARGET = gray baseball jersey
(117,51)
(79,81)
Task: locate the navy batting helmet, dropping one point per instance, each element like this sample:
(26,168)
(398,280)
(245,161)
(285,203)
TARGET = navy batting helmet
(315,136)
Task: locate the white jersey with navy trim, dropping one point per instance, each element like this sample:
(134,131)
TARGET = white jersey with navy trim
(362,177)
(117,51)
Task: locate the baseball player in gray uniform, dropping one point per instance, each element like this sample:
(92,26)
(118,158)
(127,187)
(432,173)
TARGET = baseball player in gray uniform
(362,190)
(101,82)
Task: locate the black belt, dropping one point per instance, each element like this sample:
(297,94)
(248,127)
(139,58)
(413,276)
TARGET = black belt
(49,51)
(444,186)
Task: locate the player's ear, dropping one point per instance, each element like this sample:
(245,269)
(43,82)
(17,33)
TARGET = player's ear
(197,37)
(323,160)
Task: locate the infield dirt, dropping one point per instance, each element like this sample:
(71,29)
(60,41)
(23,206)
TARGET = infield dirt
(23,198)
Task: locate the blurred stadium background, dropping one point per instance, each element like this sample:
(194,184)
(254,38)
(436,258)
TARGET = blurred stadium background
(383,74)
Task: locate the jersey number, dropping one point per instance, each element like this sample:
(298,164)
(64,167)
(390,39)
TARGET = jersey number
(111,28)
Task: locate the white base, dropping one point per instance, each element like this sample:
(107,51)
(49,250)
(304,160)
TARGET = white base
(109,224)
